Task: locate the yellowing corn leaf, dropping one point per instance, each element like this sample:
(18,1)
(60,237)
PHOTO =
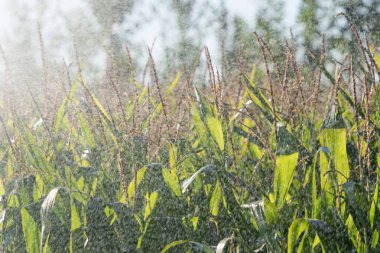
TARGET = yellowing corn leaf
(199,126)
(335,140)
(172,181)
(75,220)
(62,109)
(151,203)
(86,130)
(284,171)
(132,187)
(216,198)
(175,82)
(96,102)
(216,131)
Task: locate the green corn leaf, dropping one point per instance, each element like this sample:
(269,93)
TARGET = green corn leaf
(143,93)
(327,177)
(201,247)
(198,123)
(151,203)
(174,83)
(13,201)
(335,140)
(298,227)
(80,183)
(287,143)
(75,219)
(216,131)
(63,108)
(132,187)
(359,216)
(267,113)
(174,244)
(37,154)
(96,102)
(38,188)
(2,188)
(249,137)
(333,240)
(216,198)
(262,101)
(374,213)
(258,213)
(172,181)
(86,130)
(30,230)
(173,155)
(283,176)
(316,200)
(195,245)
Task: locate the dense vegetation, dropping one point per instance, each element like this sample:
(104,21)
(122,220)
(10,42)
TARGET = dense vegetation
(285,158)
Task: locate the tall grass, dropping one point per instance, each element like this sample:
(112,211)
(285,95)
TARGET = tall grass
(288,161)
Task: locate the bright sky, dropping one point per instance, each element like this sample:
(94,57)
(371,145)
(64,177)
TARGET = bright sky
(152,29)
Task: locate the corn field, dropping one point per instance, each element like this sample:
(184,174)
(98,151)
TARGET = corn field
(282,158)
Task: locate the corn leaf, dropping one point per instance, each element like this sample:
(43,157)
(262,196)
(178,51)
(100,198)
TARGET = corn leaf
(298,227)
(216,198)
(63,108)
(335,141)
(30,230)
(284,171)
(174,83)
(75,219)
(86,130)
(96,102)
(172,181)
(216,131)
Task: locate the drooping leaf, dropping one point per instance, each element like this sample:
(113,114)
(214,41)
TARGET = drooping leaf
(187,182)
(199,246)
(222,244)
(46,209)
(258,213)
(173,244)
